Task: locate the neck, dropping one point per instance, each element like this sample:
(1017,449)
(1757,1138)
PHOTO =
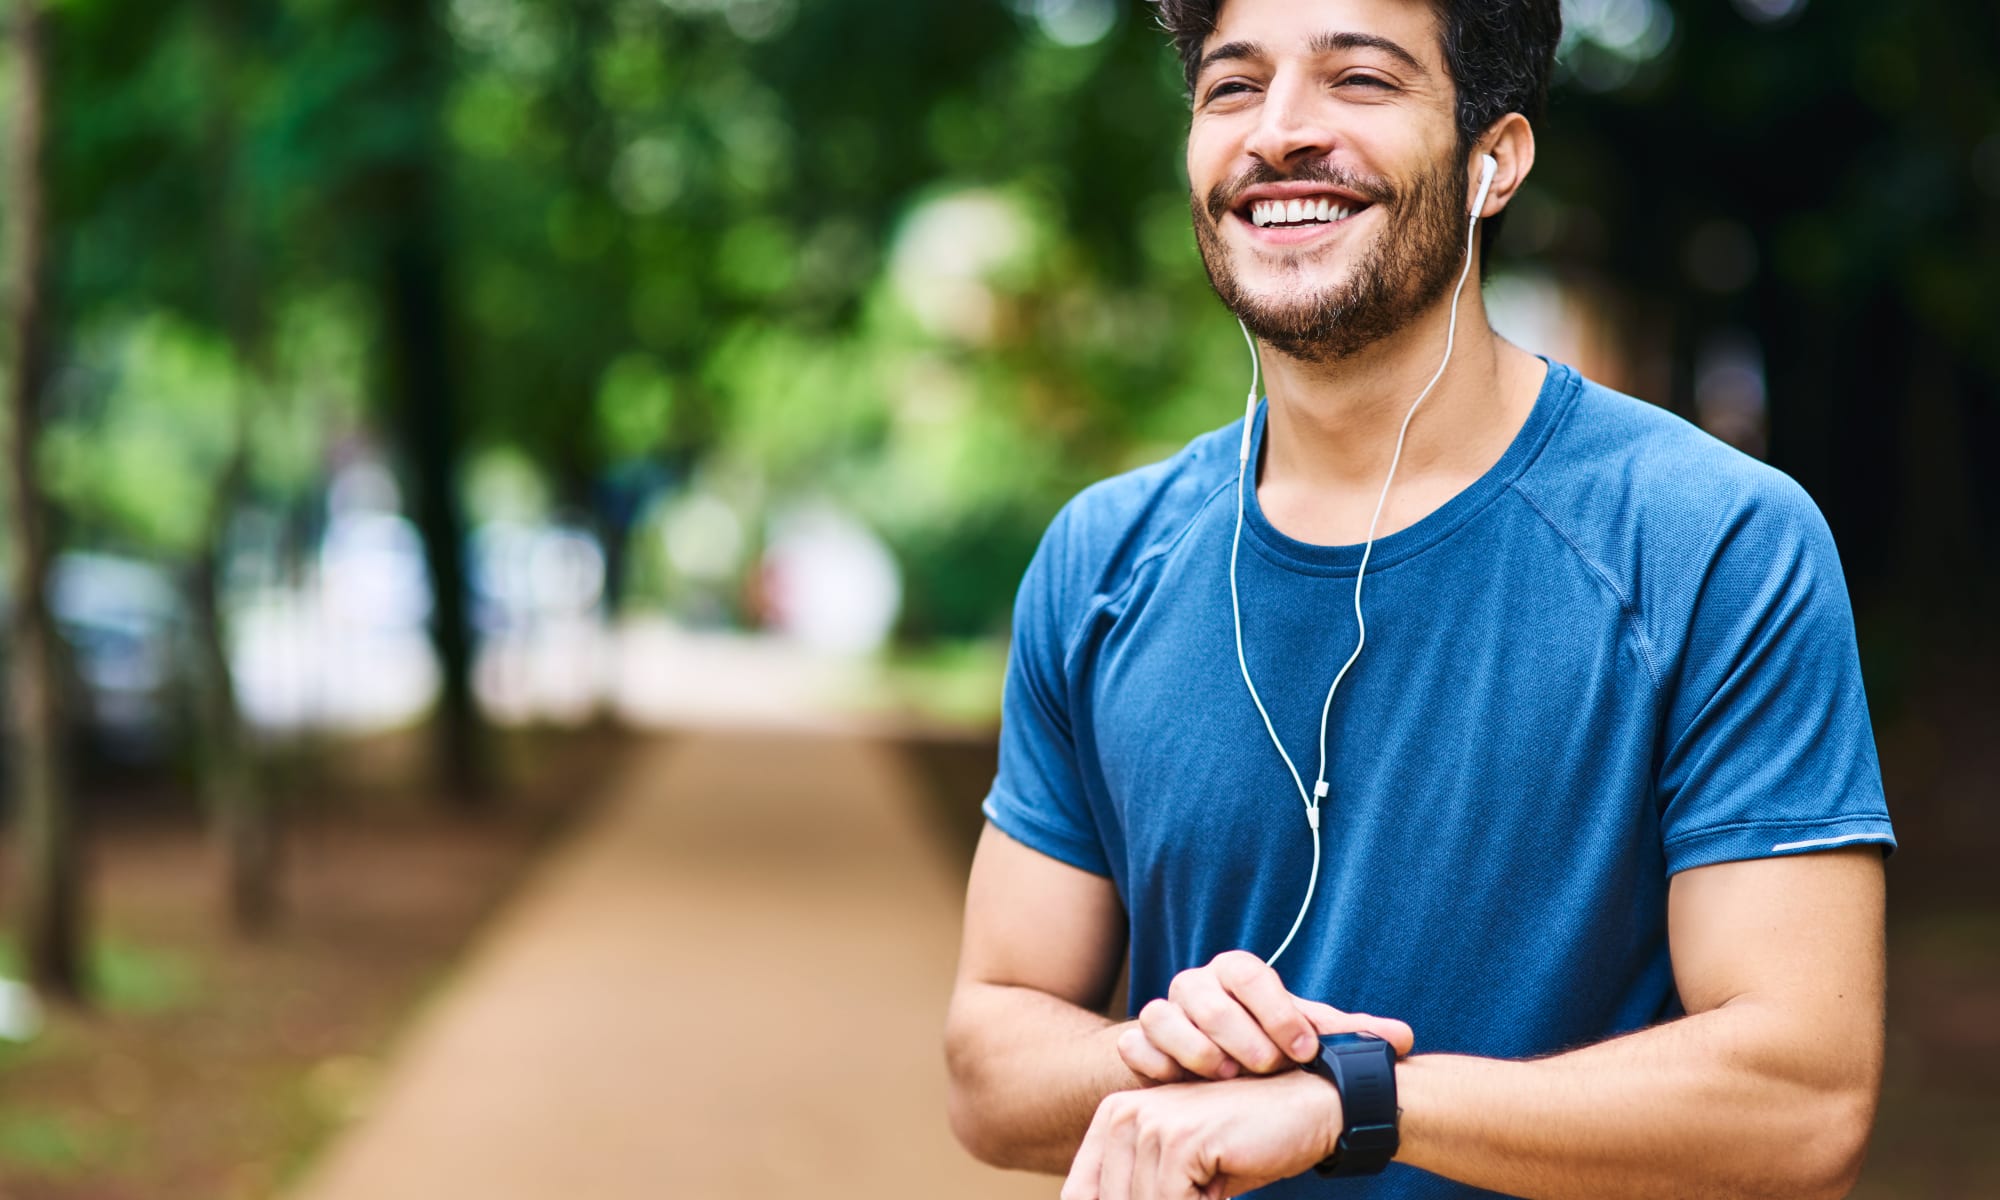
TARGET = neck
(1334,425)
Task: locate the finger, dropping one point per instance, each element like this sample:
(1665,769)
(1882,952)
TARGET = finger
(1146,1162)
(1226,1022)
(1175,1177)
(1114,1172)
(1169,1028)
(1257,987)
(1328,1019)
(1081,1183)
(1147,1060)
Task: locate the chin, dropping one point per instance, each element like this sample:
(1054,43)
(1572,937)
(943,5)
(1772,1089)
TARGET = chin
(1280,276)
(1295,298)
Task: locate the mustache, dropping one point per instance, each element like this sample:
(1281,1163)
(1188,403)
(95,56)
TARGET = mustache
(1374,189)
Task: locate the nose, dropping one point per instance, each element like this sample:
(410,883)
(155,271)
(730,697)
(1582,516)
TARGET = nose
(1293,123)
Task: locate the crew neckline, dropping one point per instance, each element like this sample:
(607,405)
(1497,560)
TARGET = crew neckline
(1559,390)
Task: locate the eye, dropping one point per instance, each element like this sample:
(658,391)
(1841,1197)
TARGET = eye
(1368,81)
(1225,89)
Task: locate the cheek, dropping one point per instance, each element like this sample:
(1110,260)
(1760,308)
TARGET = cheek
(1201,179)
(1211,149)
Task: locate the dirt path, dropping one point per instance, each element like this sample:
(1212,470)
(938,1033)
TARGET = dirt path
(728,986)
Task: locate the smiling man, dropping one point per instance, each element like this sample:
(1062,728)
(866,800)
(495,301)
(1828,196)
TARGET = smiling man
(1589,815)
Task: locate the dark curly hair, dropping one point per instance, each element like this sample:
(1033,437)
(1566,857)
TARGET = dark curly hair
(1499,52)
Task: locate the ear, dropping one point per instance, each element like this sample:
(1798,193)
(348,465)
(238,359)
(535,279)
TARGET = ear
(1511,142)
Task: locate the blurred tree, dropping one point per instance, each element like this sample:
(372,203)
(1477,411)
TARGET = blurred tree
(414,278)
(160,407)
(933,262)
(245,815)
(51,890)
(1800,206)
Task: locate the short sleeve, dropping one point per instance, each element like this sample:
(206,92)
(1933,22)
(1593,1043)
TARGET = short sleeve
(1768,747)
(1038,797)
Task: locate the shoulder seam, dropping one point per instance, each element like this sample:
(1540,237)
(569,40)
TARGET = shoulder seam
(1627,607)
(1071,639)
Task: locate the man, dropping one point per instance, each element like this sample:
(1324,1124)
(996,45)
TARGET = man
(1601,828)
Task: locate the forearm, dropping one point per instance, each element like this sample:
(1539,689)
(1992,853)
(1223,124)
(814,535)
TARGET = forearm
(1730,1102)
(1027,1073)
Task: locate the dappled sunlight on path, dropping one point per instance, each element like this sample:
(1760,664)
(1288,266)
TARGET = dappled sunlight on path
(730,984)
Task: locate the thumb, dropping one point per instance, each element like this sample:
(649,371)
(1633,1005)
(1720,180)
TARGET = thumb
(1326,1019)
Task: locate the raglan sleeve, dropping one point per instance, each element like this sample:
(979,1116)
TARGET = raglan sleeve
(1768,748)
(1038,796)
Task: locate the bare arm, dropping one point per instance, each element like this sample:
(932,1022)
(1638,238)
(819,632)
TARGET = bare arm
(1767,1087)
(1030,1055)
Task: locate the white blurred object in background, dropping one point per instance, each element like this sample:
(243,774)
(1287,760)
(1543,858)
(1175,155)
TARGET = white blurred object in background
(346,649)
(20,1012)
(538,589)
(829,582)
(946,255)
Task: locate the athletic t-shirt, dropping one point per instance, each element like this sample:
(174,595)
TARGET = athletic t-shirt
(1624,651)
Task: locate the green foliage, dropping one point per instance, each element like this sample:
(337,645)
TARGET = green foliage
(47,1144)
(635,406)
(128,976)
(139,458)
(929,260)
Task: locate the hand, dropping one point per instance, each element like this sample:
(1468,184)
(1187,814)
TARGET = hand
(1207,1140)
(1235,1015)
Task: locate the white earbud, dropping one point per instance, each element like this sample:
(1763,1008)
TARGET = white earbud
(1487,166)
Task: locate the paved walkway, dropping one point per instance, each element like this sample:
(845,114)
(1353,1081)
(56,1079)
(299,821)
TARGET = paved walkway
(729,985)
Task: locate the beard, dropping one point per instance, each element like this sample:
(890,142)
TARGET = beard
(1397,277)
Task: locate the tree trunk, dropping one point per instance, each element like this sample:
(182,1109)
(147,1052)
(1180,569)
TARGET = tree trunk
(423,383)
(244,821)
(424,392)
(243,817)
(51,902)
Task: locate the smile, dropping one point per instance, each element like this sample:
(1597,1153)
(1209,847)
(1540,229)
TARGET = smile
(1285,214)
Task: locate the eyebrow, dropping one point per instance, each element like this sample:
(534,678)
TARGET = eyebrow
(1321,43)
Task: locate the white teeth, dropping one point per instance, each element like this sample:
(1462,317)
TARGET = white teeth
(1292,212)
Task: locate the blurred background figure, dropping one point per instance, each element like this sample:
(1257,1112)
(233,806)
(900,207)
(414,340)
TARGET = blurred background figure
(439,425)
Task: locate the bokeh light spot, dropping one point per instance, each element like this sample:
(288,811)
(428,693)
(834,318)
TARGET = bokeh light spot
(1771,12)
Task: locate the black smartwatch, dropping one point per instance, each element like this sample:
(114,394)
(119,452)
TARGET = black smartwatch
(1362,1068)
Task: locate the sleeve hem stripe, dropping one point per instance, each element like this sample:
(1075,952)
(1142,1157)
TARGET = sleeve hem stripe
(1833,841)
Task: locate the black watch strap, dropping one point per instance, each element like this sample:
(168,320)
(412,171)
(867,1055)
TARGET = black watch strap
(1362,1068)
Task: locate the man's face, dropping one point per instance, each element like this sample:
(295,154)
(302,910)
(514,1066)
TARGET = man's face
(1305,110)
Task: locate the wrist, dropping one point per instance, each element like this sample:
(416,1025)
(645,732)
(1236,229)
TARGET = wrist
(1329,1116)
(1417,1085)
(1321,1114)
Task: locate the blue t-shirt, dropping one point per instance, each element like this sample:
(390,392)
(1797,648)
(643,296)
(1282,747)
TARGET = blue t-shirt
(1624,651)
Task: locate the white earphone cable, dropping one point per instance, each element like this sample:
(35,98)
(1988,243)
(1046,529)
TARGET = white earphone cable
(1360,624)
